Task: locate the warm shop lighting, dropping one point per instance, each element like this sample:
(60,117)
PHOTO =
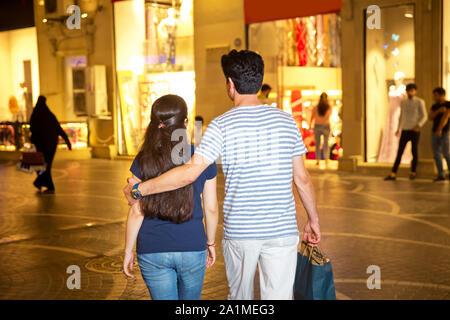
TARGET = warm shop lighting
(84,15)
(307,93)
(409,15)
(44,20)
(334,92)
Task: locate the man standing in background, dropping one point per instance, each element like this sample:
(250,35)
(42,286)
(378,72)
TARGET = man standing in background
(440,138)
(413,116)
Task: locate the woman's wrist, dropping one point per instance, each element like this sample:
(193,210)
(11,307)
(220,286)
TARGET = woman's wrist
(211,243)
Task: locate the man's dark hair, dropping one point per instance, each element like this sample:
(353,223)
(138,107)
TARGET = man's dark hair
(245,68)
(199,118)
(411,86)
(440,91)
(266,87)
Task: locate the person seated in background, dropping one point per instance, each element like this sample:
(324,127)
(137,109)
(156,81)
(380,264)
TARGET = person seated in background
(336,149)
(263,95)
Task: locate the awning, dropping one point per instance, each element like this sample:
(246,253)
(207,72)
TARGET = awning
(269,10)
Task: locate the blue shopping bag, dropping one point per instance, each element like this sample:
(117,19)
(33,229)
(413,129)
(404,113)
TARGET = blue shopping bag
(314,275)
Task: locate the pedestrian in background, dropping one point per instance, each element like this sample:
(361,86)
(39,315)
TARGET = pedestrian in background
(321,114)
(45,130)
(440,137)
(413,116)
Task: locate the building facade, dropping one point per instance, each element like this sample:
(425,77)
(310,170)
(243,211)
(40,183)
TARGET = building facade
(129,52)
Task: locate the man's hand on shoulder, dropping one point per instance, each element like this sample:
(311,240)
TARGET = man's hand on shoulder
(131,181)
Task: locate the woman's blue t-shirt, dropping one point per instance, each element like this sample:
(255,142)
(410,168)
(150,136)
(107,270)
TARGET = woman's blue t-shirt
(156,235)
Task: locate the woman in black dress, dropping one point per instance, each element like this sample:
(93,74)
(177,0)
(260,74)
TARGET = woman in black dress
(45,130)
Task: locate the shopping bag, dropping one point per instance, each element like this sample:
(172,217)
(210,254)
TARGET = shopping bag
(314,275)
(31,160)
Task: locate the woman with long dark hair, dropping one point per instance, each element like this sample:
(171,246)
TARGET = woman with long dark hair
(173,249)
(321,114)
(45,130)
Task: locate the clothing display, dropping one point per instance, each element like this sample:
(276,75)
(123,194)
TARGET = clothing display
(151,34)
(301,42)
(167,34)
(316,41)
(334,48)
(322,40)
(311,44)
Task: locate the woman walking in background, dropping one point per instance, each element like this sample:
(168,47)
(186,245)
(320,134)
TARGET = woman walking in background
(172,248)
(321,114)
(45,130)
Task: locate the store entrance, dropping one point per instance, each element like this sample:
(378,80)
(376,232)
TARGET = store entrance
(302,59)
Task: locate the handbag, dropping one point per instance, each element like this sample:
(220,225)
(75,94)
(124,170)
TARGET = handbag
(314,275)
(31,160)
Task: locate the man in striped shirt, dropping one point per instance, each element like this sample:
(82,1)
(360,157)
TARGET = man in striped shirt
(261,150)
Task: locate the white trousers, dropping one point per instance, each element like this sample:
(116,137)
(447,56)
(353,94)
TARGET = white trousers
(276,260)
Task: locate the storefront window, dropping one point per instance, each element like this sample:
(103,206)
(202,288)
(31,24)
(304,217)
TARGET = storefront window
(302,59)
(14,135)
(155,56)
(389,67)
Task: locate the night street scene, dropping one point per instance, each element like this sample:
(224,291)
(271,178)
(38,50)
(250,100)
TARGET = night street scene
(225,153)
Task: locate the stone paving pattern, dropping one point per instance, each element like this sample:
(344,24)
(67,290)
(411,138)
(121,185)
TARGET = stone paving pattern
(403,227)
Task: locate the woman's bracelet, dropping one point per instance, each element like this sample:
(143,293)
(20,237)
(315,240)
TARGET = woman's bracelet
(212,244)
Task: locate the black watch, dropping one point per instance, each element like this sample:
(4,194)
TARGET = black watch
(135,193)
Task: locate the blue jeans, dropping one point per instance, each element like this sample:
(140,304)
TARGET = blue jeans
(441,148)
(173,275)
(322,130)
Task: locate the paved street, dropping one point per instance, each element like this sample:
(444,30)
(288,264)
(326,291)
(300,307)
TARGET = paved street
(403,227)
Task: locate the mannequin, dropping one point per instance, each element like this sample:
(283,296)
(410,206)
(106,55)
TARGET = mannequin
(167,30)
(151,35)
(22,101)
(389,144)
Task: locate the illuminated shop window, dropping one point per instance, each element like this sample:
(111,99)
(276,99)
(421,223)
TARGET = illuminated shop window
(302,59)
(389,67)
(155,56)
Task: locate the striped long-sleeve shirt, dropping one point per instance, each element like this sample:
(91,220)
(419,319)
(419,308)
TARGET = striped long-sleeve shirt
(257,144)
(412,113)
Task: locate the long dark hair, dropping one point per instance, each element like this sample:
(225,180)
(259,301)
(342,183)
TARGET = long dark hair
(323,105)
(168,114)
